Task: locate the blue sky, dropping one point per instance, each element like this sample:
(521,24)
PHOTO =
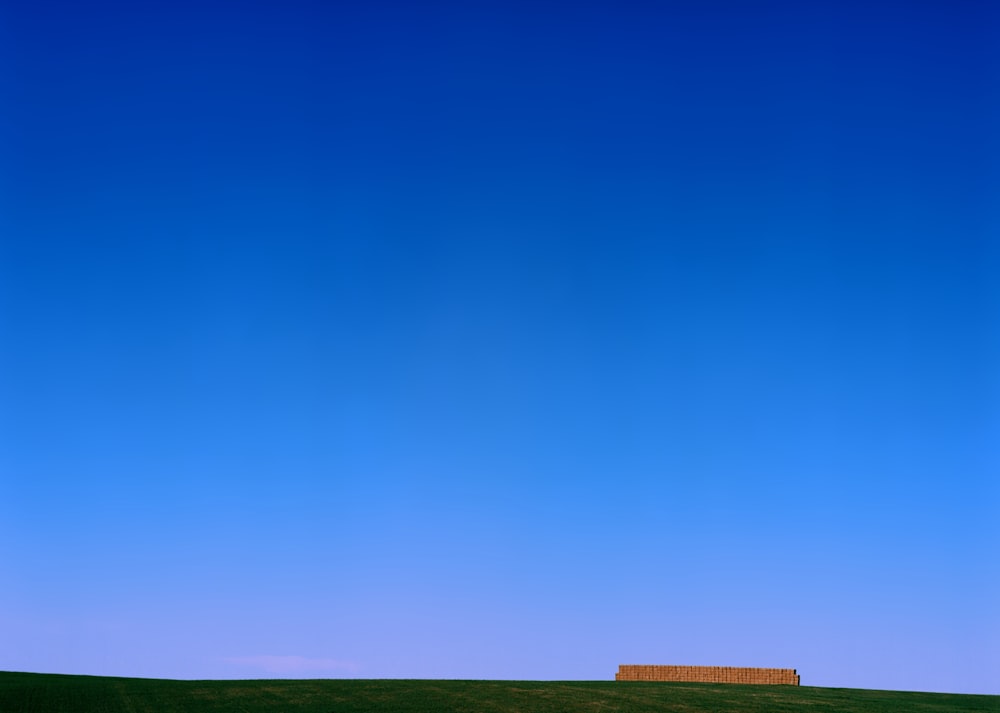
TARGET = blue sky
(497,340)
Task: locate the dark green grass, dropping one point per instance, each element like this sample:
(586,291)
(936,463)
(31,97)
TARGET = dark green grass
(51,693)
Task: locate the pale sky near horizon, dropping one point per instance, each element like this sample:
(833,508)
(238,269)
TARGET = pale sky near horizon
(501,340)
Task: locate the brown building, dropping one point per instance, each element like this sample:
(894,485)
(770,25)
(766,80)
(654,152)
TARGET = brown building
(709,674)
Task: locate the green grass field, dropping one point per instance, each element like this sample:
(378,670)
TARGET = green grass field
(48,693)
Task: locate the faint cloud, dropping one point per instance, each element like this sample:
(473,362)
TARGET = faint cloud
(293,664)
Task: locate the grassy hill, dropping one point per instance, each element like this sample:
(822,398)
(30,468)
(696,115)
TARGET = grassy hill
(48,693)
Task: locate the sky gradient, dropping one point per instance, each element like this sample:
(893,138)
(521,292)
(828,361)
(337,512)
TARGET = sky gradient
(501,340)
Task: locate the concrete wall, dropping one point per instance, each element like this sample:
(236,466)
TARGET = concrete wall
(709,674)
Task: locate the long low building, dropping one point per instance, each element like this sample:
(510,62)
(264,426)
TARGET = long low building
(709,674)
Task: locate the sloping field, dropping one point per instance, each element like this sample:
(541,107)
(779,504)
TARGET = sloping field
(49,693)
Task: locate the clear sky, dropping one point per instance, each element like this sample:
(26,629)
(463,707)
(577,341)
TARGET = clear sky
(501,340)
